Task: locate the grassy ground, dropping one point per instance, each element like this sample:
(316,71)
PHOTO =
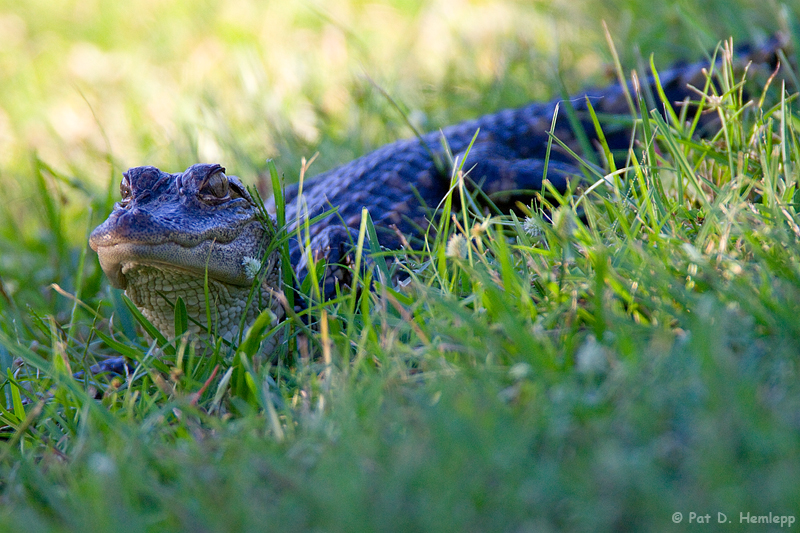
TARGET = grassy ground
(572,377)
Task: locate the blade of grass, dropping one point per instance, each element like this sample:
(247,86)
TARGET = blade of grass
(181,318)
(148,327)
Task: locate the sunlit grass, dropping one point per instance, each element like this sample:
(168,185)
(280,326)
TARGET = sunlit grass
(532,371)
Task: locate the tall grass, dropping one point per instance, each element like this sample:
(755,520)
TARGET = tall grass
(630,354)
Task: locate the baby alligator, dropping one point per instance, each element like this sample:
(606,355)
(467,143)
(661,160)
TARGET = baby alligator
(170,235)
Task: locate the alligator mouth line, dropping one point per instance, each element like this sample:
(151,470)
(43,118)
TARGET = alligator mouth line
(214,259)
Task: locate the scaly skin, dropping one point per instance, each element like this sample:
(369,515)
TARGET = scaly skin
(169,229)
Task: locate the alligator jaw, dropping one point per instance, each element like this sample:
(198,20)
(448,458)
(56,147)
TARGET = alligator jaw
(219,261)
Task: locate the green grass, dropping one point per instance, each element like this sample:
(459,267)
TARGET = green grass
(529,377)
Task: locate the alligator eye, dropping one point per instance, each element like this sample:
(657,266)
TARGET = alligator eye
(125,192)
(216,185)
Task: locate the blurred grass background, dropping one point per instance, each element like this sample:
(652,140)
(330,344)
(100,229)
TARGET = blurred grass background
(701,408)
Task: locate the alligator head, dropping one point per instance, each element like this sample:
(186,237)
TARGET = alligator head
(171,232)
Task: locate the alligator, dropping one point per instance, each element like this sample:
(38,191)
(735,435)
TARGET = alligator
(175,234)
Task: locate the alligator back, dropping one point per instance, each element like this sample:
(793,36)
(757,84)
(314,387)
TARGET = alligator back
(401,182)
